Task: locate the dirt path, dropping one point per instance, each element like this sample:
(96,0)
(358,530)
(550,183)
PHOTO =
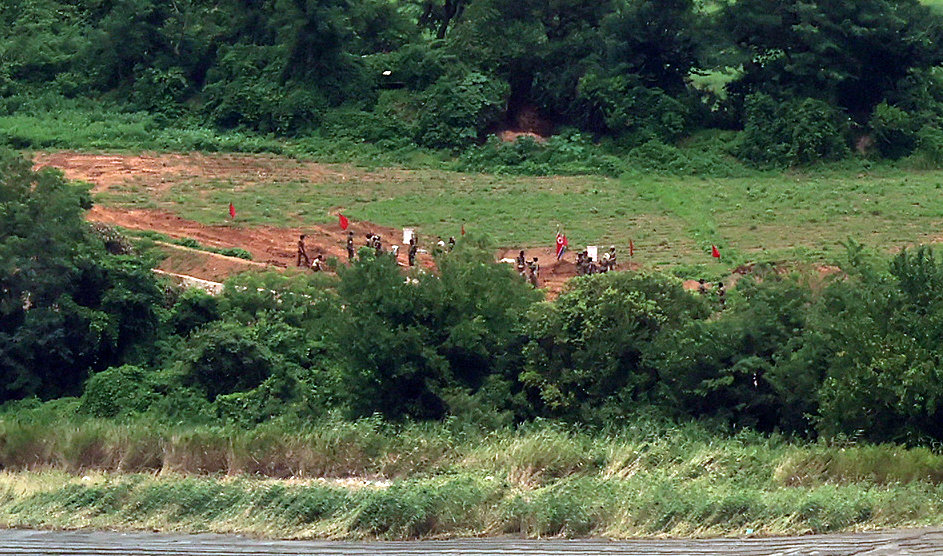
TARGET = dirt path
(94,543)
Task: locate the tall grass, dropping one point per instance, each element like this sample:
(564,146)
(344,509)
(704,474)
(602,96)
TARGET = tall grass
(371,479)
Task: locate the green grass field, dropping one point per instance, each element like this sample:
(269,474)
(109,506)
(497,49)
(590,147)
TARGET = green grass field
(672,220)
(368,479)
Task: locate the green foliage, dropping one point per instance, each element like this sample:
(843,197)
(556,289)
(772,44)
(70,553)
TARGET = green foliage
(223,358)
(894,130)
(793,133)
(456,111)
(562,154)
(406,342)
(625,108)
(117,391)
(929,152)
(245,90)
(585,350)
(67,307)
(866,46)
(711,160)
(257,405)
(724,367)
(192,310)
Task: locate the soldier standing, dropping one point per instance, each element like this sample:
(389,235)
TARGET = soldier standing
(350,246)
(611,257)
(533,271)
(451,243)
(721,294)
(411,254)
(378,245)
(521,261)
(302,253)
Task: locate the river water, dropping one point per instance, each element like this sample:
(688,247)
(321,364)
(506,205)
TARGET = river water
(99,543)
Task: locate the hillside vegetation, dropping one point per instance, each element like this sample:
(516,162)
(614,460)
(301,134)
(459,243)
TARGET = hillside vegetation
(619,83)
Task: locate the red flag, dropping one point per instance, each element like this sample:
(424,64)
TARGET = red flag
(463,228)
(714,252)
(232,211)
(343,221)
(562,244)
(631,248)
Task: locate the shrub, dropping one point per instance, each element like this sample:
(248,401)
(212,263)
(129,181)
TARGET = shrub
(116,391)
(792,133)
(894,130)
(567,153)
(245,89)
(929,152)
(585,350)
(258,404)
(193,309)
(224,357)
(456,110)
(623,107)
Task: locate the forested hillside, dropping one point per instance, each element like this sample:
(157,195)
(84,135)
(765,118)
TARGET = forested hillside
(800,81)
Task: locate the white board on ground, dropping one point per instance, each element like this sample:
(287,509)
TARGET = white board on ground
(593,252)
(407,235)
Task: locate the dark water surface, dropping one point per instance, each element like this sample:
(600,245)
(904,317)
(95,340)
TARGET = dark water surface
(99,543)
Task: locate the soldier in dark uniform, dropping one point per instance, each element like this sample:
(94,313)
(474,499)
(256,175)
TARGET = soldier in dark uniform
(721,294)
(611,258)
(302,253)
(350,246)
(413,249)
(580,263)
(521,262)
(451,243)
(701,287)
(591,267)
(378,245)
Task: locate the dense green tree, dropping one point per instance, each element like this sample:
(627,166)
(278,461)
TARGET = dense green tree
(67,306)
(723,367)
(408,344)
(849,54)
(584,358)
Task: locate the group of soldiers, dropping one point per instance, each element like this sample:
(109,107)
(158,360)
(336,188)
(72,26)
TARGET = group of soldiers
(373,241)
(586,265)
(528,269)
(316,264)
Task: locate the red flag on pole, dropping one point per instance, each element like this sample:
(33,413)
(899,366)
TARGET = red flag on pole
(343,221)
(463,228)
(631,248)
(714,252)
(562,244)
(232,211)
